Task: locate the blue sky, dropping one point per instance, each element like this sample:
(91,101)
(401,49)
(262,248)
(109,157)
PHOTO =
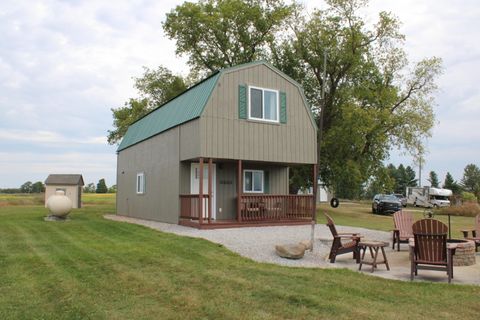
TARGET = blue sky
(64,64)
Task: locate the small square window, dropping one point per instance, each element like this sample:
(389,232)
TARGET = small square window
(140,183)
(253,181)
(263,104)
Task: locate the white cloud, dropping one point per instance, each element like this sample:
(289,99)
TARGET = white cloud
(63,65)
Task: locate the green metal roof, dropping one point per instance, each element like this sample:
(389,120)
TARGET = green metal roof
(185,107)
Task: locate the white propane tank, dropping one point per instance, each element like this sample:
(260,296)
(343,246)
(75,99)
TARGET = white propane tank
(59,204)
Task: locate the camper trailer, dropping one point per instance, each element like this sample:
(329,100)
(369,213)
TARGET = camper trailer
(428,197)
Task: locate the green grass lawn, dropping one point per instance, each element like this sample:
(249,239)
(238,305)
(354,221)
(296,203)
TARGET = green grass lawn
(89,267)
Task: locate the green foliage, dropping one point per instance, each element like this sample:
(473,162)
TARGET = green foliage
(451,184)
(402,177)
(89,188)
(221,33)
(159,86)
(471,179)
(300,178)
(433,179)
(38,187)
(112,189)
(468,196)
(383,181)
(101,186)
(27,187)
(372,103)
(155,87)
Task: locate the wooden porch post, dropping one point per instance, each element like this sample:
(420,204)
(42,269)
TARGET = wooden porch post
(209,190)
(200,192)
(239,191)
(314,191)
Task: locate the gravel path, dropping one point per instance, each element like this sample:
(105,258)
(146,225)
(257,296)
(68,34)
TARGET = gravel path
(258,244)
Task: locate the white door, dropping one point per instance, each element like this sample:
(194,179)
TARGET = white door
(195,186)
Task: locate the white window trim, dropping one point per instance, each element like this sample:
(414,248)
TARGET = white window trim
(277,95)
(252,171)
(140,190)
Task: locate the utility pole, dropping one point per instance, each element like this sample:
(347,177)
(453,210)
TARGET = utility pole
(319,140)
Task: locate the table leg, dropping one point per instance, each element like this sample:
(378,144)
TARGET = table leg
(374,263)
(363,256)
(385,259)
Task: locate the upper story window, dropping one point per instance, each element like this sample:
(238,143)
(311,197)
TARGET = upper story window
(253,181)
(263,104)
(140,183)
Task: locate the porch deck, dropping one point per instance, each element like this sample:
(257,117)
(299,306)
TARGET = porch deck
(253,210)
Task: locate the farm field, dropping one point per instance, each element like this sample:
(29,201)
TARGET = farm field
(92,268)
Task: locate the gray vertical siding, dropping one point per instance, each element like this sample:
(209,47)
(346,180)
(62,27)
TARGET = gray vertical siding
(190,140)
(225,136)
(158,158)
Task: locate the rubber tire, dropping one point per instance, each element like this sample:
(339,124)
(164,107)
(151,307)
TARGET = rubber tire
(334,202)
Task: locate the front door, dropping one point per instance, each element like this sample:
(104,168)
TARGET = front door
(195,186)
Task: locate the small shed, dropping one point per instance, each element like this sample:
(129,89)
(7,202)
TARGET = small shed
(71,184)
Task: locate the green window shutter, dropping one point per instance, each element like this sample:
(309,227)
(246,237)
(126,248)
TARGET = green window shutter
(242,102)
(266,182)
(283,107)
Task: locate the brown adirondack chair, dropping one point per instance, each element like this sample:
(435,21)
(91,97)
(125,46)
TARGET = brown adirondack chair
(402,222)
(339,247)
(430,251)
(475,232)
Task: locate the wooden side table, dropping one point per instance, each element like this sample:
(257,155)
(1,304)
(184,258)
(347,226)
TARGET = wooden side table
(374,247)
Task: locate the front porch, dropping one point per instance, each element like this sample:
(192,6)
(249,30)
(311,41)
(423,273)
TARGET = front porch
(249,197)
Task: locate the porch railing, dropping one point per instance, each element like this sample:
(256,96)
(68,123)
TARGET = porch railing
(190,206)
(276,207)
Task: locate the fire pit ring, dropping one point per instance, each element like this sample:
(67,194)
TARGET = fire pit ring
(464,252)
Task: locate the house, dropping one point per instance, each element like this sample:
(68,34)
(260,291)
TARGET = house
(71,184)
(219,154)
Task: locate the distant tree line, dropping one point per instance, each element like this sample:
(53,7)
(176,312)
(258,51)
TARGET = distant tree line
(39,187)
(100,187)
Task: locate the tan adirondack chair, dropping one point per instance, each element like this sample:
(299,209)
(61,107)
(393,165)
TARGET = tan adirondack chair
(350,243)
(475,232)
(430,250)
(402,231)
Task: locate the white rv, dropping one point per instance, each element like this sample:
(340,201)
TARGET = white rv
(428,197)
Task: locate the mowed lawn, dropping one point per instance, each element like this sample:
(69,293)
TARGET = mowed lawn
(91,268)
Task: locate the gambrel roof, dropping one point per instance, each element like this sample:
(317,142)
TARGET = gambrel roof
(187,106)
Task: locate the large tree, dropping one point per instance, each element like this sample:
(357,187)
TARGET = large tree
(155,87)
(374,99)
(101,186)
(215,34)
(451,184)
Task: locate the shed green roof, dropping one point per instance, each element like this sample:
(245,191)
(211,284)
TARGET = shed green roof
(184,107)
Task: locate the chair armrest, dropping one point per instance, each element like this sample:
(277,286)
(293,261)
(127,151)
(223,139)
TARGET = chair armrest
(451,250)
(349,234)
(466,231)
